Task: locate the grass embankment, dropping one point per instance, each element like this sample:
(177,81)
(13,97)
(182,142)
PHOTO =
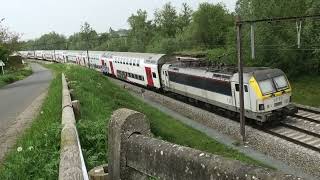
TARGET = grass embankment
(36,155)
(13,75)
(306,90)
(99,97)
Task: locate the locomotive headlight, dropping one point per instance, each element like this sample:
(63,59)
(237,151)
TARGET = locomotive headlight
(261,107)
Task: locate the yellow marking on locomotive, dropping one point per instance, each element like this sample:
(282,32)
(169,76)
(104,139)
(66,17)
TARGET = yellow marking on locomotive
(255,86)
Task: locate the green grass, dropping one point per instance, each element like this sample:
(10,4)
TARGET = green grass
(99,97)
(39,158)
(306,90)
(11,76)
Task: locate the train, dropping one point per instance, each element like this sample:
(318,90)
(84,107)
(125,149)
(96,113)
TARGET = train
(267,91)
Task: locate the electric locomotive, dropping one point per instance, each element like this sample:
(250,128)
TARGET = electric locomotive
(267,91)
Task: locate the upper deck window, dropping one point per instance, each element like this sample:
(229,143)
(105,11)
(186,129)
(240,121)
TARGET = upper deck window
(280,82)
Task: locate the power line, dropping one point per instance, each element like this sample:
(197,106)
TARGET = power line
(278,19)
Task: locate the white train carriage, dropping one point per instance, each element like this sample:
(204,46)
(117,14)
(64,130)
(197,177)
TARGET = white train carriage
(267,92)
(96,59)
(73,57)
(39,55)
(31,54)
(139,68)
(60,56)
(23,54)
(48,55)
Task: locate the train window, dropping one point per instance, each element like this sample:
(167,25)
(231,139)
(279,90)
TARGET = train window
(154,75)
(237,87)
(246,88)
(266,86)
(136,76)
(281,82)
(140,78)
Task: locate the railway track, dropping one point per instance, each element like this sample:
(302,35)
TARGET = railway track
(302,128)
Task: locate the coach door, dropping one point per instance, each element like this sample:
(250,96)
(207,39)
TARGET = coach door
(247,101)
(165,78)
(111,66)
(149,76)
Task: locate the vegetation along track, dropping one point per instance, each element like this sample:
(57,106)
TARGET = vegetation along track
(303,128)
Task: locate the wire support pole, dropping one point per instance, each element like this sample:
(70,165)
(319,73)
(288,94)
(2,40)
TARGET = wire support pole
(240,72)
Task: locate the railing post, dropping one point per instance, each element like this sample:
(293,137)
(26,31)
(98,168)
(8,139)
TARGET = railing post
(122,125)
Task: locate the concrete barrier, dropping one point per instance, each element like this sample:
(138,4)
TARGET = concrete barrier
(71,165)
(134,154)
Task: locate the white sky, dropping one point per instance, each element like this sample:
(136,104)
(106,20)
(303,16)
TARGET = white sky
(33,18)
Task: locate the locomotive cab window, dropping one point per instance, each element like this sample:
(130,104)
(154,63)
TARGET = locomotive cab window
(154,75)
(267,86)
(280,82)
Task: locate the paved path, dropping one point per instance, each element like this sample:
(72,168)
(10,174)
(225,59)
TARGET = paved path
(16,97)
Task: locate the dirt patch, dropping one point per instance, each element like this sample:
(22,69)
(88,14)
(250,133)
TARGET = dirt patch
(22,122)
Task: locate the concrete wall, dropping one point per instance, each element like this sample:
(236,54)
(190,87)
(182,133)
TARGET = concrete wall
(71,160)
(135,154)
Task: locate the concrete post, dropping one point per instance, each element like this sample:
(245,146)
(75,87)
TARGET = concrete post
(76,108)
(122,125)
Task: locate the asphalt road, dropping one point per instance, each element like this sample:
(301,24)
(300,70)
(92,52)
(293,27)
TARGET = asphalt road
(16,97)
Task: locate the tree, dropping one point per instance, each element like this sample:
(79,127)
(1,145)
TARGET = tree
(140,32)
(211,23)
(8,42)
(185,17)
(88,36)
(166,20)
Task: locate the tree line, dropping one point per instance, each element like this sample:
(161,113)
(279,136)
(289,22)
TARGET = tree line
(209,31)
(9,42)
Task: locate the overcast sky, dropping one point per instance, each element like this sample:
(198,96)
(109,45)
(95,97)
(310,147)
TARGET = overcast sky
(33,18)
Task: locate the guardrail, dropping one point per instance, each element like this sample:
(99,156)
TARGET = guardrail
(134,154)
(72,164)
